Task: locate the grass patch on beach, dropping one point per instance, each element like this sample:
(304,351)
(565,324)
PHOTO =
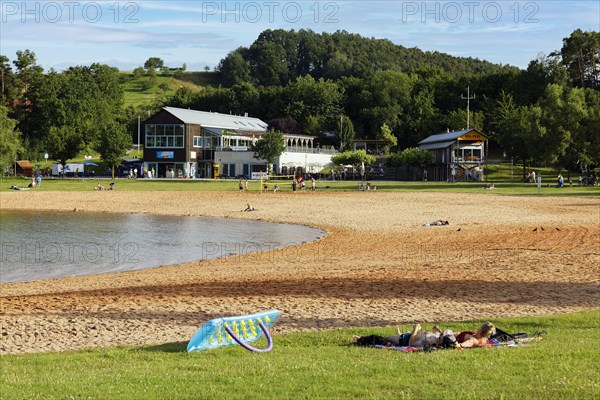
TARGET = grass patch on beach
(88,184)
(324,365)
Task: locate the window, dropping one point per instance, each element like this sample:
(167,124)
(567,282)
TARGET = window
(228,170)
(164,136)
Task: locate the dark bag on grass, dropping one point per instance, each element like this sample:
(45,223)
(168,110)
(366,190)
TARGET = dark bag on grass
(503,336)
(371,340)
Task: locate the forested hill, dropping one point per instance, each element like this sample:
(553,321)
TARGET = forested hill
(278,56)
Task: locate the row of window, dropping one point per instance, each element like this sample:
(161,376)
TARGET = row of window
(172,136)
(168,135)
(205,142)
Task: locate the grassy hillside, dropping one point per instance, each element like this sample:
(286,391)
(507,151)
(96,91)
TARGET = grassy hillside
(139,92)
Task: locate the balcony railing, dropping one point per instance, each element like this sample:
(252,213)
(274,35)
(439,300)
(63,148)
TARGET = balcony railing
(289,149)
(314,150)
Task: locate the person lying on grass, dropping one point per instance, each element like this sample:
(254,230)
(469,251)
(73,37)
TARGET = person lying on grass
(469,339)
(432,338)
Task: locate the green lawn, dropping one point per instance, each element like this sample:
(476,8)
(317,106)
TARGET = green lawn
(322,186)
(323,365)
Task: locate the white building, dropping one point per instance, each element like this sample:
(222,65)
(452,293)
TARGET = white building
(180,142)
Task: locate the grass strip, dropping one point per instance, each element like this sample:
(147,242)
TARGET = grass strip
(324,365)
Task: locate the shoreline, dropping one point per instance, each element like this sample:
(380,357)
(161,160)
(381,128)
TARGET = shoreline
(375,266)
(34,250)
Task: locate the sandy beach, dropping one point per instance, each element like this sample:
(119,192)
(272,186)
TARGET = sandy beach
(500,256)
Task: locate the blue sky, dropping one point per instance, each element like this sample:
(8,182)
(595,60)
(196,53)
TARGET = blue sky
(125,33)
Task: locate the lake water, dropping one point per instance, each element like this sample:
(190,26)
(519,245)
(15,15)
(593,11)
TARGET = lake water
(40,245)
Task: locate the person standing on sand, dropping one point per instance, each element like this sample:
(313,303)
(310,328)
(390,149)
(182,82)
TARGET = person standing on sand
(241,186)
(294,186)
(313,184)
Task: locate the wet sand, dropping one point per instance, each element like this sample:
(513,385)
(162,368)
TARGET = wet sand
(500,256)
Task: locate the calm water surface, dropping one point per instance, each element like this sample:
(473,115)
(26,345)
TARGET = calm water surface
(39,245)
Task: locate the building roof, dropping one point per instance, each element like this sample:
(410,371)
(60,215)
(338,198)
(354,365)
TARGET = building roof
(437,145)
(218,120)
(448,136)
(25,164)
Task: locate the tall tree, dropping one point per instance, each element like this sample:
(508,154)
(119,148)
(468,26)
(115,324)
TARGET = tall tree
(320,98)
(269,147)
(234,69)
(5,75)
(63,143)
(563,111)
(581,55)
(10,139)
(354,158)
(518,130)
(385,133)
(345,133)
(456,120)
(84,98)
(540,72)
(113,143)
(154,63)
(411,156)
(385,98)
(27,71)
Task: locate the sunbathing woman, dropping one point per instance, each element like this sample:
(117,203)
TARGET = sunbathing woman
(439,222)
(470,339)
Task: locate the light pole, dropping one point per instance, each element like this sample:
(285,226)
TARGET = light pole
(138,142)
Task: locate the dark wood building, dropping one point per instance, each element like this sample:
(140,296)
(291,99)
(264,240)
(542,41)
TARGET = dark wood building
(458,155)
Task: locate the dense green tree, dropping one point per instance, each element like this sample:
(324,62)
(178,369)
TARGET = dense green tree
(11,141)
(286,124)
(278,56)
(312,126)
(385,133)
(385,98)
(234,69)
(83,98)
(154,63)
(27,72)
(63,143)
(319,98)
(411,156)
(268,63)
(581,55)
(518,130)
(5,76)
(269,147)
(563,111)
(456,120)
(311,52)
(138,72)
(591,127)
(422,117)
(113,143)
(540,72)
(345,133)
(354,158)
(246,99)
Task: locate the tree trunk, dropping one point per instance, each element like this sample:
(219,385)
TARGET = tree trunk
(113,171)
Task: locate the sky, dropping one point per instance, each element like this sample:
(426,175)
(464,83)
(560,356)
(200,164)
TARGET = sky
(124,34)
